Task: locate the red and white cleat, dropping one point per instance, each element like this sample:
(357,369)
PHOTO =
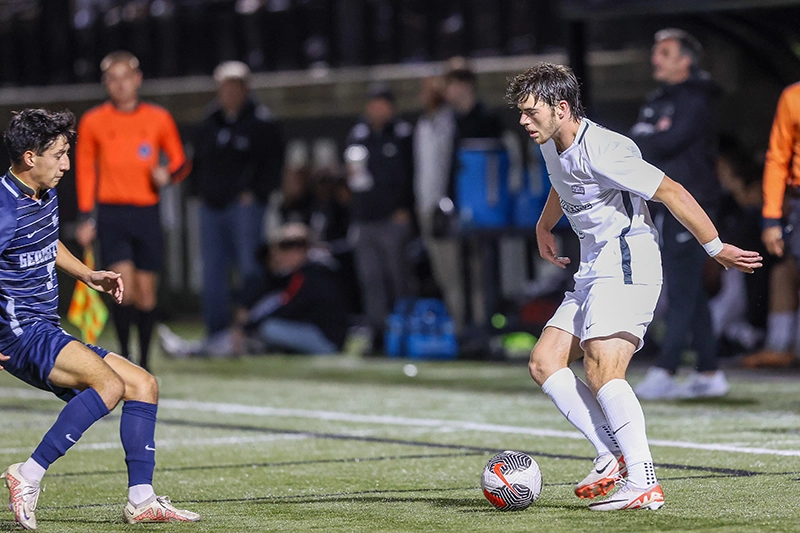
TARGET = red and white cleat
(631,496)
(157,509)
(608,470)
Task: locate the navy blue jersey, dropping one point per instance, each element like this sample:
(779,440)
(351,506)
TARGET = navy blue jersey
(28,248)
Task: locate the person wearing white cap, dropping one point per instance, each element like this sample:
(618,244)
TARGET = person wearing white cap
(238,160)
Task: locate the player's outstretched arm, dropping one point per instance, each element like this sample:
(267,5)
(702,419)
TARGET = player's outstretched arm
(544,231)
(689,213)
(99,280)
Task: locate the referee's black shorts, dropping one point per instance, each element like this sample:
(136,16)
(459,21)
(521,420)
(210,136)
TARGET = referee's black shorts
(130,233)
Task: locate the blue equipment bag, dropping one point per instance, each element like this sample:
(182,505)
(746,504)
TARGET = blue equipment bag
(482,194)
(420,329)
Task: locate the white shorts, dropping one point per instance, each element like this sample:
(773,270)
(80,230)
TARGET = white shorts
(603,309)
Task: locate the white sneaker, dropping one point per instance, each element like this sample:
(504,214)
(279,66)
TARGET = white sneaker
(658,384)
(173,344)
(157,509)
(632,496)
(700,385)
(22,498)
(608,470)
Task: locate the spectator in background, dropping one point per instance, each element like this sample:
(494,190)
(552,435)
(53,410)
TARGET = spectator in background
(238,157)
(676,132)
(434,136)
(299,307)
(379,167)
(473,118)
(473,121)
(119,171)
(781,223)
(740,303)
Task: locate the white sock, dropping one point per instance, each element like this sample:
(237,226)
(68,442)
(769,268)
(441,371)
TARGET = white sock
(626,418)
(578,405)
(780,331)
(138,494)
(32,471)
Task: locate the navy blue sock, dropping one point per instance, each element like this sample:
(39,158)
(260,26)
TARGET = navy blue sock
(137,429)
(80,412)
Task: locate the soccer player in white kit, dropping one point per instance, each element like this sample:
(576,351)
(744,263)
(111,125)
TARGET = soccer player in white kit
(602,184)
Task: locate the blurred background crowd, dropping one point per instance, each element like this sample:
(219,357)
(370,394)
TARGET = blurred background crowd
(342,132)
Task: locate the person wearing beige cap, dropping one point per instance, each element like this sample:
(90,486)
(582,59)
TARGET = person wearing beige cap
(238,160)
(298,308)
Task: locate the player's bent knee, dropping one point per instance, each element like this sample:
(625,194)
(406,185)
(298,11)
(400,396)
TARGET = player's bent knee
(111,390)
(539,367)
(142,386)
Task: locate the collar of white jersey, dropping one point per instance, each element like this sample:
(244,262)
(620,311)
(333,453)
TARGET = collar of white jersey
(578,135)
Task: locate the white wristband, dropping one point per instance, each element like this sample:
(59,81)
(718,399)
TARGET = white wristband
(713,247)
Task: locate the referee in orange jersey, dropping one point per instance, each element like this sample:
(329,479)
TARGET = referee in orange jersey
(119,172)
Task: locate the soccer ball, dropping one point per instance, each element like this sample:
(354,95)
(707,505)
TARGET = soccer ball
(511,481)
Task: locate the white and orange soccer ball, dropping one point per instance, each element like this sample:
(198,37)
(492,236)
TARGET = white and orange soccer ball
(511,481)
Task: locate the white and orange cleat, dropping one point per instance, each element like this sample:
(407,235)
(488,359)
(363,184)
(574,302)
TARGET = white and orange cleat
(157,509)
(608,470)
(22,498)
(631,496)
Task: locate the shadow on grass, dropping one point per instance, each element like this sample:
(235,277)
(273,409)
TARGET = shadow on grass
(720,402)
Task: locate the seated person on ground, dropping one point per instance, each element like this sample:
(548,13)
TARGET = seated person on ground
(300,308)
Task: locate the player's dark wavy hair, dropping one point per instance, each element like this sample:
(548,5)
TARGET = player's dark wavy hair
(37,130)
(548,83)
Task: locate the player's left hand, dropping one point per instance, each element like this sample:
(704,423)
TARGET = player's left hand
(3,358)
(107,281)
(743,260)
(160,176)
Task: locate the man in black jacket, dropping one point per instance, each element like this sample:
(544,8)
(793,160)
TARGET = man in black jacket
(238,157)
(676,132)
(380,175)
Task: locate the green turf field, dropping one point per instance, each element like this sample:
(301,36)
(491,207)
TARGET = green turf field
(346,444)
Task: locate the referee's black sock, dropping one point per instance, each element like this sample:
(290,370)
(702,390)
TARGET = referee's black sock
(123,316)
(145,321)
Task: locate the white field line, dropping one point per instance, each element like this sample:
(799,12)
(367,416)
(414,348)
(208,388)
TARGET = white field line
(168,443)
(231,408)
(277,412)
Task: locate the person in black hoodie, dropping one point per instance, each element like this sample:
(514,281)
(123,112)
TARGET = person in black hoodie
(676,132)
(299,306)
(238,160)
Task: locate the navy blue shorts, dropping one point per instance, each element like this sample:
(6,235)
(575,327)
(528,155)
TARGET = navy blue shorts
(33,355)
(130,233)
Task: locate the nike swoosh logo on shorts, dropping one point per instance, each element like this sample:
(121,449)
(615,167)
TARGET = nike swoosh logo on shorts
(68,436)
(148,448)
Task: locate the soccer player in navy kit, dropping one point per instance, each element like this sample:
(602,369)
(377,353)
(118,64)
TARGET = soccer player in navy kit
(601,183)
(90,379)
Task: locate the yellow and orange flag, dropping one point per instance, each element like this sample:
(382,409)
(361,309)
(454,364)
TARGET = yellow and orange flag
(86,310)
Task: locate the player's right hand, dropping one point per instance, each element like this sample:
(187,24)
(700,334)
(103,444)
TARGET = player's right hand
(772,238)
(3,358)
(548,249)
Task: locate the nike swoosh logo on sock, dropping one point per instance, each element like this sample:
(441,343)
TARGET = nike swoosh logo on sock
(622,426)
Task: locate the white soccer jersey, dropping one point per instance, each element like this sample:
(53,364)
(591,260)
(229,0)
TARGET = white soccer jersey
(603,184)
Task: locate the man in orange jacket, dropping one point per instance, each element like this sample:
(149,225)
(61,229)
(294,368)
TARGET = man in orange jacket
(118,173)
